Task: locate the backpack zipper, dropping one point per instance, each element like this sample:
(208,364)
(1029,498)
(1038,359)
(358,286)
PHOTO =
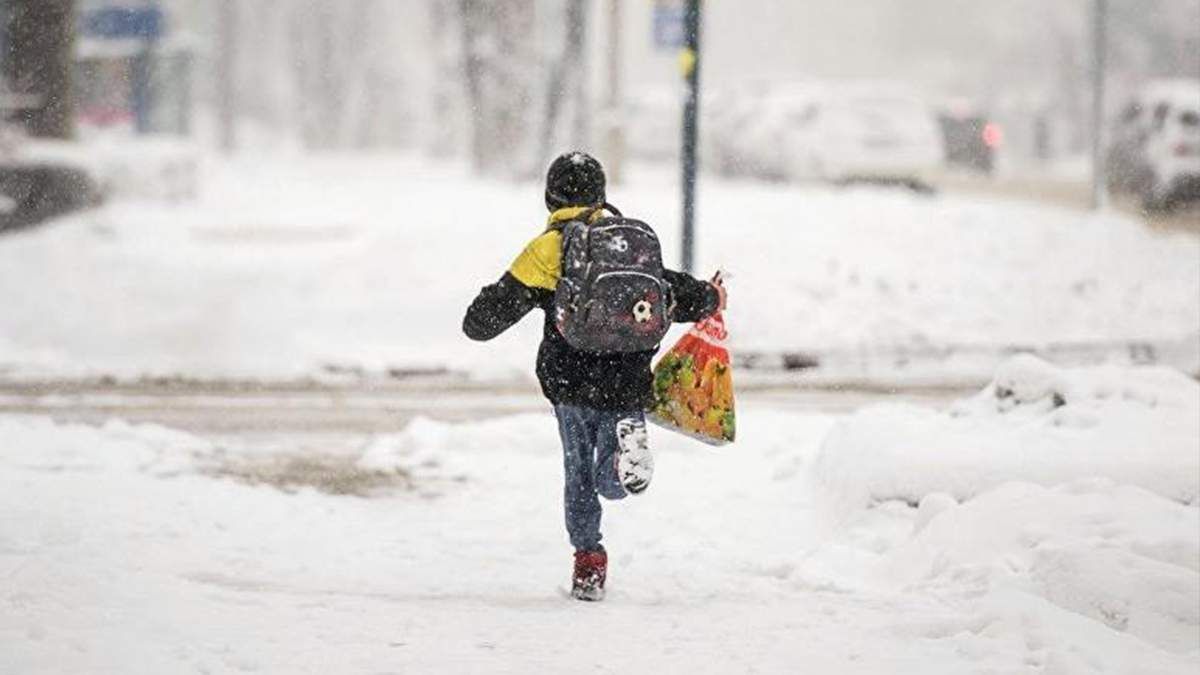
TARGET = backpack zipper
(651,277)
(623,226)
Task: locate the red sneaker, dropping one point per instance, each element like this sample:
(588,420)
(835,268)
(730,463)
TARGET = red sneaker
(590,569)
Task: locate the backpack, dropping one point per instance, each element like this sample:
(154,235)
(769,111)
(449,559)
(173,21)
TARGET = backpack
(612,295)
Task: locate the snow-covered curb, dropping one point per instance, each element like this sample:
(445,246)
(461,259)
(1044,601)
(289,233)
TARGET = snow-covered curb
(1034,423)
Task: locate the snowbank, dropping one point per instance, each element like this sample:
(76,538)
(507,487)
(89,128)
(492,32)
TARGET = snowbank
(1087,577)
(39,443)
(428,447)
(1119,555)
(1056,509)
(454,448)
(1034,423)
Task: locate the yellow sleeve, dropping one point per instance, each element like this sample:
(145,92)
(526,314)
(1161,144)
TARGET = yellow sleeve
(539,264)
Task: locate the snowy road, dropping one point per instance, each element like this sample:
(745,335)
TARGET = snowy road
(357,408)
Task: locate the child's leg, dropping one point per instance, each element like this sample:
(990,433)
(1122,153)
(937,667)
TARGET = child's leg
(578,431)
(609,480)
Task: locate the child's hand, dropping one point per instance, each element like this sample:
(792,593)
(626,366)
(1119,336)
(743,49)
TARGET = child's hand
(719,284)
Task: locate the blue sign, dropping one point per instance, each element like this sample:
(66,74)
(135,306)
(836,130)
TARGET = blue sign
(670,31)
(114,23)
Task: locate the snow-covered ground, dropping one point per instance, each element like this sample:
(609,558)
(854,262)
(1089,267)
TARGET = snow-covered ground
(134,549)
(284,266)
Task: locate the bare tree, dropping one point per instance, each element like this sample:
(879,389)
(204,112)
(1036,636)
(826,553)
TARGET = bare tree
(472,15)
(442,136)
(332,47)
(497,65)
(1156,37)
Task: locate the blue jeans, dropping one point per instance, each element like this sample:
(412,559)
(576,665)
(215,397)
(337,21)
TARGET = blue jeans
(590,452)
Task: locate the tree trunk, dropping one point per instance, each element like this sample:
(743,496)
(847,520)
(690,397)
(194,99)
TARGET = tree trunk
(441,134)
(568,64)
(40,40)
(471,18)
(497,66)
(227,112)
(512,74)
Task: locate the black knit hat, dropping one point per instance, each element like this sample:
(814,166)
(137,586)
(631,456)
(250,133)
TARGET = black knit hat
(574,179)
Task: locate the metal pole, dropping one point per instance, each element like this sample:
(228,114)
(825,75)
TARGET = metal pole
(142,87)
(1099,49)
(690,60)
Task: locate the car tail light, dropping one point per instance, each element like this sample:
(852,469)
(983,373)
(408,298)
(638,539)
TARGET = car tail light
(992,135)
(1184,149)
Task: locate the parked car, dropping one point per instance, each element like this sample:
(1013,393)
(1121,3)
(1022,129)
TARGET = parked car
(36,189)
(799,131)
(970,138)
(1152,151)
(846,133)
(728,118)
(1172,153)
(779,125)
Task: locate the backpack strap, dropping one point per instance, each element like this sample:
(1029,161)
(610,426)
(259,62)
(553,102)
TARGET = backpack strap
(564,250)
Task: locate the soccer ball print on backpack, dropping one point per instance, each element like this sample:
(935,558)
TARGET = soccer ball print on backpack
(612,296)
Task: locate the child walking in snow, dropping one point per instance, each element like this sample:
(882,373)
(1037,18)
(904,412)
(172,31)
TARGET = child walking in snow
(599,397)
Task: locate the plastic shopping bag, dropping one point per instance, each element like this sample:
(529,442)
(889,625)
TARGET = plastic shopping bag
(693,385)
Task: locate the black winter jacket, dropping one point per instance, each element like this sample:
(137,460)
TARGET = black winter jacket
(567,375)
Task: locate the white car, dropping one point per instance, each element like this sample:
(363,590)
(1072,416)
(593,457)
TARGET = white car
(845,133)
(654,123)
(726,123)
(765,132)
(1171,150)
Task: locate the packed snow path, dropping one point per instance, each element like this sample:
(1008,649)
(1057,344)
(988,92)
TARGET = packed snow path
(134,549)
(118,563)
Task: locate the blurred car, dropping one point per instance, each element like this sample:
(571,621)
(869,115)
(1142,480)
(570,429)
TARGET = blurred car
(797,131)
(36,189)
(777,125)
(969,138)
(846,133)
(1139,159)
(1171,151)
(728,118)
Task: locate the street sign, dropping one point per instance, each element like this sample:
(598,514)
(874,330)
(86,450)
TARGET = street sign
(670,32)
(115,23)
